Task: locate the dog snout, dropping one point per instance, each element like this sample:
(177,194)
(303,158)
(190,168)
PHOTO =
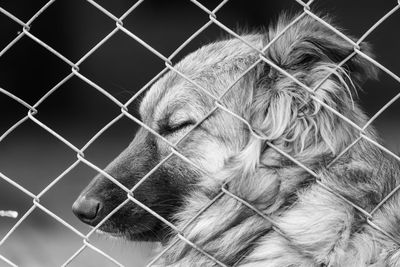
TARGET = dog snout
(87,210)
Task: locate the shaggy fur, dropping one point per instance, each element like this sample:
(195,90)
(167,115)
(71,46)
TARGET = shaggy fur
(308,225)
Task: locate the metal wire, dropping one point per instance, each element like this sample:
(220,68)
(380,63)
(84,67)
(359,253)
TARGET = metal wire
(32,110)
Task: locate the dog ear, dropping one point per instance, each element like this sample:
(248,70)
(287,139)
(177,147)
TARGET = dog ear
(309,42)
(284,110)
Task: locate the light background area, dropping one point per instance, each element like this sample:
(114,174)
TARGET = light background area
(33,157)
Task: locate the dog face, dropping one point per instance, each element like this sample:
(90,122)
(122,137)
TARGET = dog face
(171,108)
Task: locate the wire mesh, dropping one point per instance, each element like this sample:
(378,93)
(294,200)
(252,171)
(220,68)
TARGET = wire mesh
(32,110)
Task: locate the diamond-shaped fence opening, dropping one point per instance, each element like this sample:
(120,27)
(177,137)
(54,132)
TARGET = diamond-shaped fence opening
(69,24)
(37,68)
(63,105)
(21,150)
(38,99)
(164,16)
(119,66)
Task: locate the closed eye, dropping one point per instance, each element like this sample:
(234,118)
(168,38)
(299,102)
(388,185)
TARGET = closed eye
(168,129)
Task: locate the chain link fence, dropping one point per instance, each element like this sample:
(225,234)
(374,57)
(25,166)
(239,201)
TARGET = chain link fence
(32,110)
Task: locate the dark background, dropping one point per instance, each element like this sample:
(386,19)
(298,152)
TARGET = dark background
(33,157)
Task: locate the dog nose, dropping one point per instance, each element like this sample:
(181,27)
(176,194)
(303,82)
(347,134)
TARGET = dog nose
(87,209)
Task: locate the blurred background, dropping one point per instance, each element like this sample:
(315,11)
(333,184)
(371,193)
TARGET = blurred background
(33,158)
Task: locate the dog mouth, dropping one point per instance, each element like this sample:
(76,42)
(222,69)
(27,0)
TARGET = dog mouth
(135,232)
(117,235)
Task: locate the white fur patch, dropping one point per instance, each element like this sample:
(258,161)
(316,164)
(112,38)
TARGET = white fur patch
(211,156)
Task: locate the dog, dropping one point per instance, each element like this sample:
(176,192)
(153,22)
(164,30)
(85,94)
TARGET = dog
(253,204)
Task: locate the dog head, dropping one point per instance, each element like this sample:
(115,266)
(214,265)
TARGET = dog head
(171,108)
(222,147)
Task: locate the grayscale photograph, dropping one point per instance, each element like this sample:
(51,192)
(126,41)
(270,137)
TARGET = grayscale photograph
(200,133)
